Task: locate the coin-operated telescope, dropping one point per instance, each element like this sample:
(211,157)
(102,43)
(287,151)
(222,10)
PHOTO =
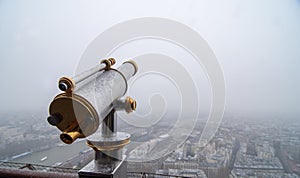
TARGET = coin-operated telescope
(89,100)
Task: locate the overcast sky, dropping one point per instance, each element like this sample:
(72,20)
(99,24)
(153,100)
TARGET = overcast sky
(256,42)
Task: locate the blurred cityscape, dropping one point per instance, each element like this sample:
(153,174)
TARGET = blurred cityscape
(242,147)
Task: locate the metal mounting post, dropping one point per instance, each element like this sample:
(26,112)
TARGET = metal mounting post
(109,159)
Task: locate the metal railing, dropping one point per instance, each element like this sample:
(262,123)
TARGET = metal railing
(12,169)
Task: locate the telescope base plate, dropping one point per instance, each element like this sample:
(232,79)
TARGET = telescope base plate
(116,169)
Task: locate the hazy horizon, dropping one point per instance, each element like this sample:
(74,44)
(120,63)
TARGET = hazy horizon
(256,43)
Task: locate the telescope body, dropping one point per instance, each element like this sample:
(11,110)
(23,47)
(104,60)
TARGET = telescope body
(78,113)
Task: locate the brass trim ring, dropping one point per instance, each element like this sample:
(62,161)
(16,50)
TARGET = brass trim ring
(108,62)
(112,146)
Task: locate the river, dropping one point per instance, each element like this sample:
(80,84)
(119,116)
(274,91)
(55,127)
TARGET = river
(54,155)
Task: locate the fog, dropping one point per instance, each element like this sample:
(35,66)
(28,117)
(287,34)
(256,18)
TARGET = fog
(257,45)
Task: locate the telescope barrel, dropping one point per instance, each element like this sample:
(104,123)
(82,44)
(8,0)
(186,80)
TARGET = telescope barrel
(106,87)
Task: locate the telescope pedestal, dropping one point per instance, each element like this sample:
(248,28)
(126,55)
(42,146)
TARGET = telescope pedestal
(109,159)
(115,169)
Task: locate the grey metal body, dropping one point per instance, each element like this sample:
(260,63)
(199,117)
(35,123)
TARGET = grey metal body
(103,88)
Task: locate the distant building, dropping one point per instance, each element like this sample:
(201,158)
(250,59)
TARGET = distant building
(187,150)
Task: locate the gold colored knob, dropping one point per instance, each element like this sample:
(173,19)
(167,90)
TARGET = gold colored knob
(70,137)
(133,105)
(130,104)
(112,61)
(108,62)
